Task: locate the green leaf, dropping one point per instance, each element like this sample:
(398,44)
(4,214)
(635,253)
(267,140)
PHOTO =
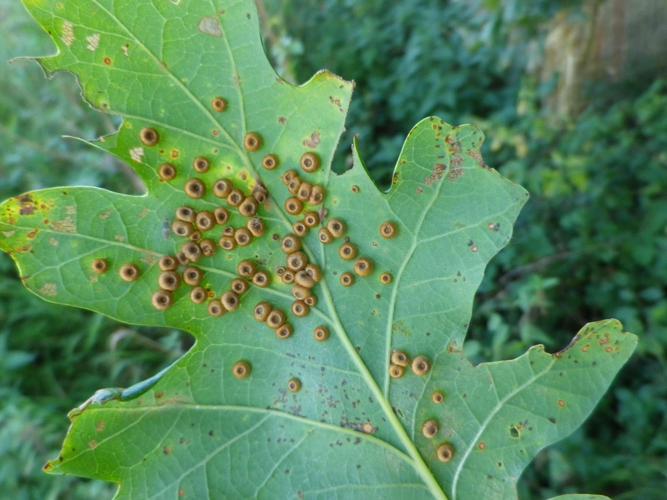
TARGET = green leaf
(313,418)
(580,496)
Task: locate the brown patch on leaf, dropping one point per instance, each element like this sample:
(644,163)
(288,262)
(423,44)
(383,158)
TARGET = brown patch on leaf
(337,102)
(27,205)
(49,290)
(477,156)
(210,26)
(369,428)
(438,173)
(313,141)
(456,170)
(66,225)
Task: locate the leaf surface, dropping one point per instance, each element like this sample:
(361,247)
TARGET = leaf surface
(315,419)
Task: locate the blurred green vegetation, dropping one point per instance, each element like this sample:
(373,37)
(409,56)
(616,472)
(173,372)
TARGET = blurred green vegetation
(591,243)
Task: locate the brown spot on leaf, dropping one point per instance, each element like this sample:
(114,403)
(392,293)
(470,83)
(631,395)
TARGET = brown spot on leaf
(455,174)
(436,175)
(368,428)
(101,425)
(66,225)
(210,26)
(456,170)
(477,156)
(49,290)
(313,141)
(337,102)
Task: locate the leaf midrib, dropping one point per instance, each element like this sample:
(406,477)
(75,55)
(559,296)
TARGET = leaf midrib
(417,460)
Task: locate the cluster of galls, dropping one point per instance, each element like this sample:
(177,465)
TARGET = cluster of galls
(348,251)
(303,193)
(400,360)
(445,451)
(127,272)
(301,274)
(194,226)
(305,202)
(421,366)
(275,319)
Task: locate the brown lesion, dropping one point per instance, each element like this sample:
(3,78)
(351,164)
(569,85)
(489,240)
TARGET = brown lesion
(48,290)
